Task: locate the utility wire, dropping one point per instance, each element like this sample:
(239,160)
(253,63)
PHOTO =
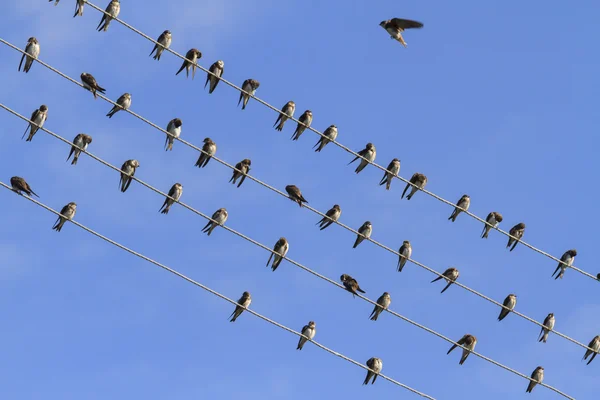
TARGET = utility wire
(467,288)
(346,148)
(273,252)
(180,275)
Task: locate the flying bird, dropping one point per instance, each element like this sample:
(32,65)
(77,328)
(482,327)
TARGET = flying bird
(537,376)
(80,143)
(548,326)
(164,42)
(462,205)
(37,120)
(174,128)
(309,332)
(209,149)
(112,11)
(566,260)
(405,253)
(392,170)
(20,185)
(281,248)
(250,86)
(331,216)
(32,52)
(594,345)
(213,76)
(517,231)
(243,303)
(174,194)
(192,57)
(286,112)
(418,181)
(396,26)
(123,103)
(241,170)
(508,305)
(350,284)
(494,218)
(66,214)
(330,134)
(375,364)
(368,153)
(218,219)
(469,342)
(89,83)
(364,232)
(383,302)
(127,172)
(295,194)
(450,275)
(303,122)
(79,8)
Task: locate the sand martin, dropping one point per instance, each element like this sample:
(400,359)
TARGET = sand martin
(494,218)
(80,143)
(243,303)
(209,149)
(462,205)
(517,231)
(33,51)
(123,103)
(295,194)
(331,216)
(89,82)
(112,11)
(383,302)
(218,219)
(469,342)
(216,72)
(174,128)
(281,248)
(369,153)
(241,170)
(192,57)
(419,181)
(392,171)
(37,120)
(375,364)
(508,305)
(250,86)
(66,214)
(303,122)
(330,134)
(174,194)
(20,185)
(396,26)
(450,275)
(127,173)
(164,42)
(309,332)
(288,112)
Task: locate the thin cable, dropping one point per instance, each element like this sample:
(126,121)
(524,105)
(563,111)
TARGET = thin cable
(346,148)
(180,275)
(467,288)
(286,258)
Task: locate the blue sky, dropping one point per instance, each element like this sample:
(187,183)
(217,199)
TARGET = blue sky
(499,106)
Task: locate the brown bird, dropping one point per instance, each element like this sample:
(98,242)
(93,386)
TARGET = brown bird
(330,217)
(249,86)
(89,82)
(594,345)
(375,364)
(243,303)
(468,342)
(19,185)
(494,218)
(537,376)
(193,55)
(383,302)
(517,231)
(396,26)
(295,194)
(351,284)
(241,170)
(450,275)
(462,205)
(509,304)
(419,181)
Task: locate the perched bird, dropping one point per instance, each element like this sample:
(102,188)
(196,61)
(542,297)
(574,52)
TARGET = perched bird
(309,332)
(127,172)
(508,305)
(383,302)
(174,194)
(368,153)
(32,52)
(418,181)
(20,185)
(215,72)
(174,128)
(364,232)
(468,342)
(209,149)
(89,83)
(303,122)
(66,214)
(286,112)
(250,86)
(406,251)
(450,275)
(37,120)
(463,205)
(494,218)
(295,194)
(375,364)
(192,57)
(241,170)
(350,284)
(537,376)
(281,248)
(79,8)
(330,134)
(218,219)
(164,42)
(548,326)
(392,170)
(594,345)
(243,303)
(123,103)
(517,231)
(331,216)
(396,26)
(80,143)
(112,11)
(567,260)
